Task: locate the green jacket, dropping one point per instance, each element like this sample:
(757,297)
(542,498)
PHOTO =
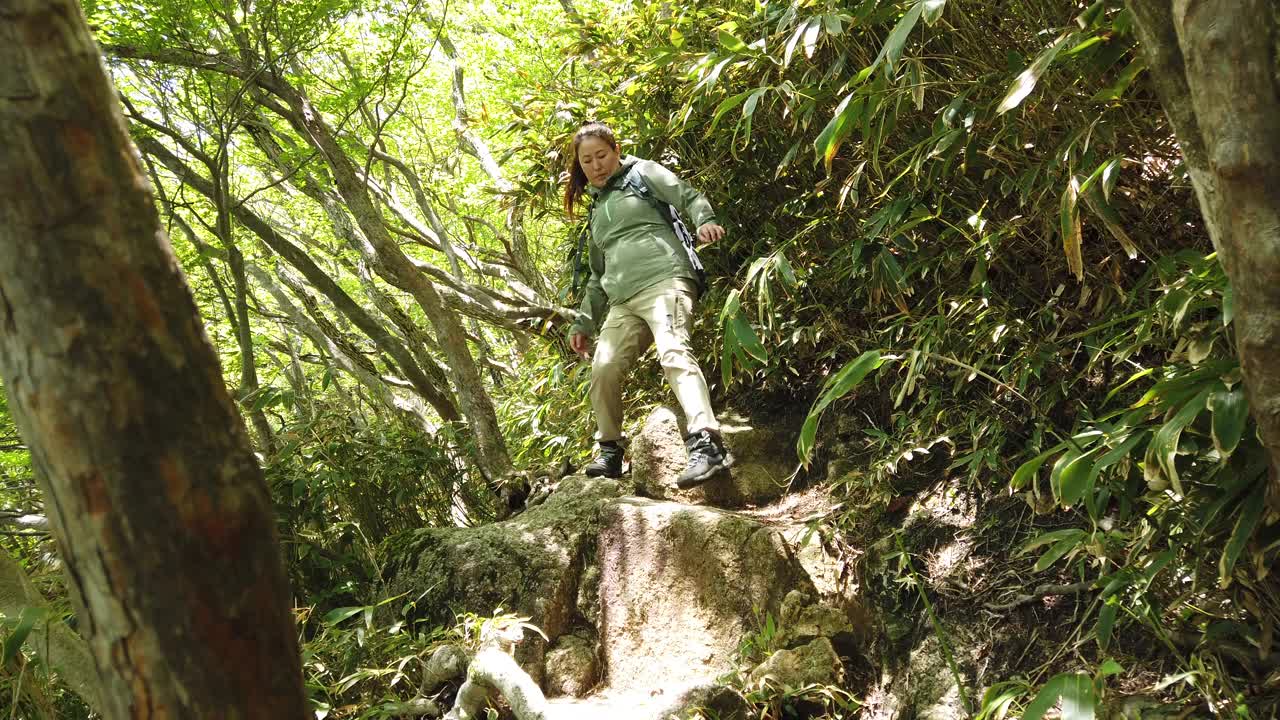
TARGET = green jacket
(631,245)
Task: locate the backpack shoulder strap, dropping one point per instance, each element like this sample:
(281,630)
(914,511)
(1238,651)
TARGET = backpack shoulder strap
(635,180)
(579,255)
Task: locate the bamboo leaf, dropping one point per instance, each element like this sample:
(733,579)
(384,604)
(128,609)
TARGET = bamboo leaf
(749,108)
(337,615)
(731,43)
(1027,79)
(811,36)
(729,351)
(1052,537)
(1027,470)
(1164,444)
(1074,480)
(1230,410)
(917,83)
(1073,690)
(747,338)
(1250,515)
(932,10)
(1094,200)
(842,123)
(1106,622)
(1069,221)
(1055,553)
(892,50)
(1122,83)
(27,619)
(835,388)
(725,106)
(793,41)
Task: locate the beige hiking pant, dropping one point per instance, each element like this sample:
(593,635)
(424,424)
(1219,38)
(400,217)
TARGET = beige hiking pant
(660,314)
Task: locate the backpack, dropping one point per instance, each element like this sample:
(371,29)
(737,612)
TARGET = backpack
(633,179)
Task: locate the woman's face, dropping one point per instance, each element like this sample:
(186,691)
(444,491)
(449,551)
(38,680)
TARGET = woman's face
(598,160)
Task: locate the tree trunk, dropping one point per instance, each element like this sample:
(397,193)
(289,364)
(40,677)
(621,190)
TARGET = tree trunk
(157,503)
(1214,66)
(249,387)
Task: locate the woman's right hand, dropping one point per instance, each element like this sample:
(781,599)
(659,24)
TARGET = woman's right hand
(581,344)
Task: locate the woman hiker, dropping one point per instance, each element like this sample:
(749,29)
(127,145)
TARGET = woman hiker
(642,285)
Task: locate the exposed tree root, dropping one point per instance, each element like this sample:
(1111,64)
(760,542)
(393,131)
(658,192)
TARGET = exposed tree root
(493,671)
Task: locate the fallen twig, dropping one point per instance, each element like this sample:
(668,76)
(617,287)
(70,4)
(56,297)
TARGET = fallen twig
(1043,591)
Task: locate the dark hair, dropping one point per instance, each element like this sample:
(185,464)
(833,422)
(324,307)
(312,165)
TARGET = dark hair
(577,178)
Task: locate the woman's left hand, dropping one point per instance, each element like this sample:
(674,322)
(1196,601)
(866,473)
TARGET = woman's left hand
(710,233)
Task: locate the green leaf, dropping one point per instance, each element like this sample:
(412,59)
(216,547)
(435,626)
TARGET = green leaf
(337,615)
(1055,553)
(1122,83)
(1072,238)
(725,106)
(747,339)
(1052,537)
(27,620)
(914,77)
(1250,515)
(1028,469)
(1108,169)
(1093,199)
(731,43)
(794,40)
(846,117)
(811,36)
(729,351)
(1108,668)
(1164,444)
(1106,622)
(836,387)
(1074,690)
(1073,480)
(1230,410)
(1026,81)
(749,108)
(892,50)
(1092,15)
(932,10)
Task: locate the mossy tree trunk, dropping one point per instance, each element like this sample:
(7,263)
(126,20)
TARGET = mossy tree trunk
(1216,66)
(159,508)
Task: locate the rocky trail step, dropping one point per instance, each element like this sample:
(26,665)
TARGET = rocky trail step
(643,601)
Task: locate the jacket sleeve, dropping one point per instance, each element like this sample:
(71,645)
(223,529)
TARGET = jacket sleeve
(594,302)
(669,188)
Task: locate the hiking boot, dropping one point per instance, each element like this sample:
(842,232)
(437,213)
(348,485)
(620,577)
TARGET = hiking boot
(608,463)
(707,456)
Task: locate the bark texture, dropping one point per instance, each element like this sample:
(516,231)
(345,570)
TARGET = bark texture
(157,503)
(1214,64)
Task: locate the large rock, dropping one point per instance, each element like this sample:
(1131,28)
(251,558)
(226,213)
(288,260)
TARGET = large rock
(708,701)
(813,664)
(764,460)
(644,602)
(803,620)
(530,565)
(681,585)
(572,668)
